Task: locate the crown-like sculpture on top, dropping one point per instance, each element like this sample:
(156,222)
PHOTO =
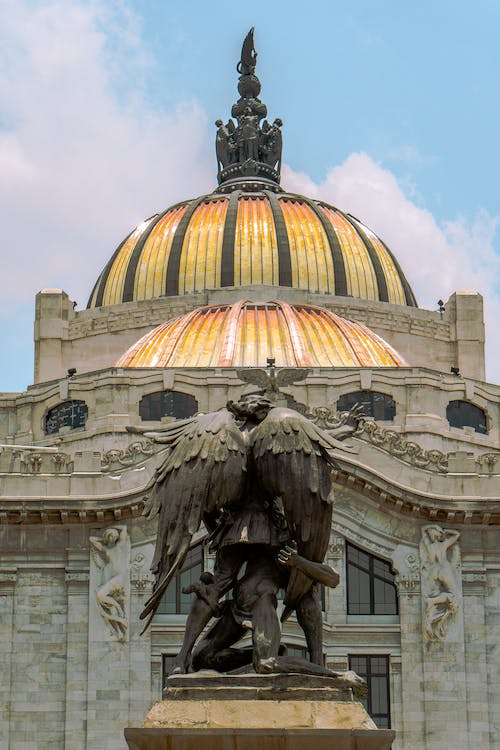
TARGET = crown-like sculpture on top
(248,151)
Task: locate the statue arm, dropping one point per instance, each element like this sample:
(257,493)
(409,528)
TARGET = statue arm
(122,530)
(318,572)
(96,544)
(452,536)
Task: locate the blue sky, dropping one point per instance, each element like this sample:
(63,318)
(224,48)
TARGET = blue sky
(390,111)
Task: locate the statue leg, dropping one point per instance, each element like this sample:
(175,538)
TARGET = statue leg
(256,594)
(310,619)
(214,652)
(204,606)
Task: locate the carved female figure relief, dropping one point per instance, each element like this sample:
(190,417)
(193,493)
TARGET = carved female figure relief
(440,557)
(111,555)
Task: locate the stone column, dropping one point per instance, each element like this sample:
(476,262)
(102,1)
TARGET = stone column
(77,587)
(411,731)
(7,593)
(474,588)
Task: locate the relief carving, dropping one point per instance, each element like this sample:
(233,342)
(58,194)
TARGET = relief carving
(134,453)
(111,555)
(440,572)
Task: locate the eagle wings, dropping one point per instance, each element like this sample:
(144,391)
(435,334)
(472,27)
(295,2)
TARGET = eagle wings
(207,467)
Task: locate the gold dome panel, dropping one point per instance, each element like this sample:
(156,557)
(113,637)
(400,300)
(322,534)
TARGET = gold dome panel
(246,239)
(245,334)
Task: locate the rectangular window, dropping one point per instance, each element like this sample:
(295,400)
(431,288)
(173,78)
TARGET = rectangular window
(375,670)
(370,584)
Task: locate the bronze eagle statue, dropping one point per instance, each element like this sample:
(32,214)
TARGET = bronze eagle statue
(259,478)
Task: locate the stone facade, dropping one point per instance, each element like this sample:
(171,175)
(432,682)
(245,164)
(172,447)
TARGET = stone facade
(69,680)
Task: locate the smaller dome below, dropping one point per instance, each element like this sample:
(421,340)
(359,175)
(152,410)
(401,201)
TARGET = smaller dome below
(245,334)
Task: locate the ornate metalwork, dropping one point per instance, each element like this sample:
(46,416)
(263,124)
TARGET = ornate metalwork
(248,150)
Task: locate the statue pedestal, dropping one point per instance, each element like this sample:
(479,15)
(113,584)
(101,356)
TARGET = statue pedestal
(210,711)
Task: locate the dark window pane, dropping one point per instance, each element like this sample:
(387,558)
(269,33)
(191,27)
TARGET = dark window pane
(370,587)
(382,569)
(155,406)
(384,598)
(375,670)
(358,583)
(68,414)
(355,555)
(464,414)
(377,405)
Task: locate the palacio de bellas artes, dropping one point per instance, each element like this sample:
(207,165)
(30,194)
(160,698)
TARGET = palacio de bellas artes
(251,295)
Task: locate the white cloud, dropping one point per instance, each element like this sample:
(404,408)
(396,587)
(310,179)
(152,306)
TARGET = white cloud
(437,259)
(82,155)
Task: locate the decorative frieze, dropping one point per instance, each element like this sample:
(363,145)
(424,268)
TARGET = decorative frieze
(132,454)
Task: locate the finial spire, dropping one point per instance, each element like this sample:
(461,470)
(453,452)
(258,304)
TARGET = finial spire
(248,152)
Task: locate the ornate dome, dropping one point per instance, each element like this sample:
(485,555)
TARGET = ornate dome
(245,334)
(249,231)
(252,238)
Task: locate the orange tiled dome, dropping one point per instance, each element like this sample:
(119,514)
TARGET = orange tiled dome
(244,334)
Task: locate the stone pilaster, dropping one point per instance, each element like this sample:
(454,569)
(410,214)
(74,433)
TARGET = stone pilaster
(396,698)
(38,671)
(336,599)
(474,585)
(77,588)
(141,582)
(7,592)
(411,710)
(492,606)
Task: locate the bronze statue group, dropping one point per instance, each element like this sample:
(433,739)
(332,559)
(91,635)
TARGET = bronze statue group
(259,477)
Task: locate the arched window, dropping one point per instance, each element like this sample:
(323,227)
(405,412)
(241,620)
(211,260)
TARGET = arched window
(160,404)
(375,670)
(174,601)
(370,584)
(465,414)
(67,414)
(377,405)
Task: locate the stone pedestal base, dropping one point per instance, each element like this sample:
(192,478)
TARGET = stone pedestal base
(259,739)
(209,711)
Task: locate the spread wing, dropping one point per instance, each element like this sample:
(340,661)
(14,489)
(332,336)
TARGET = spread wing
(254,376)
(291,375)
(292,462)
(203,471)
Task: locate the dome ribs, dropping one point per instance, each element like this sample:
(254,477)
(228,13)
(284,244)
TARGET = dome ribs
(174,261)
(377,266)
(245,333)
(101,281)
(251,238)
(284,259)
(339,274)
(409,296)
(128,289)
(227,258)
